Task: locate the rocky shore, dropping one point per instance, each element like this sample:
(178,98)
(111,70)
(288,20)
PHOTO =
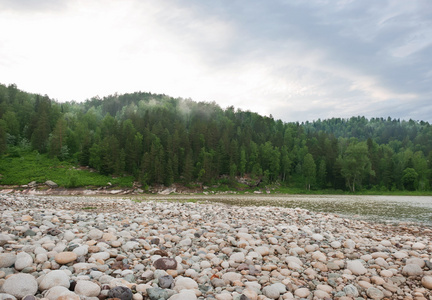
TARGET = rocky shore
(54,247)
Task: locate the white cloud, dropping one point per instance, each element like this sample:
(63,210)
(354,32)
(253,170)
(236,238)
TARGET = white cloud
(325,63)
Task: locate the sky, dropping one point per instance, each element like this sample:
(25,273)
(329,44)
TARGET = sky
(293,59)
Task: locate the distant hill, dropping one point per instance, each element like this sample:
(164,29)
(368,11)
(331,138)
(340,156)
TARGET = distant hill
(158,139)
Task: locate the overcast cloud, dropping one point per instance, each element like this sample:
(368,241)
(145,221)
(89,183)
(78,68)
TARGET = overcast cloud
(297,60)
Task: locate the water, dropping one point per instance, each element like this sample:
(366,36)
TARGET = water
(392,209)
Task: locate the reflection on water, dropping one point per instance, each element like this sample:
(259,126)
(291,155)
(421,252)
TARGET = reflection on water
(377,208)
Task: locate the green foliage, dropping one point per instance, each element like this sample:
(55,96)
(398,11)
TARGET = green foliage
(40,168)
(156,139)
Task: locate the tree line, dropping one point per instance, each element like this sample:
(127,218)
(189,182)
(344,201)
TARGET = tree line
(162,140)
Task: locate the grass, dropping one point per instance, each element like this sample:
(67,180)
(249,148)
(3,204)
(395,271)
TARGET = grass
(40,168)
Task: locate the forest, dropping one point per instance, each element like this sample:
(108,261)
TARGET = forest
(158,139)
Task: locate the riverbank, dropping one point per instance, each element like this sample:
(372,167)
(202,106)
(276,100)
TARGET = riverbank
(101,247)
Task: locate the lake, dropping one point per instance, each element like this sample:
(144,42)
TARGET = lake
(388,209)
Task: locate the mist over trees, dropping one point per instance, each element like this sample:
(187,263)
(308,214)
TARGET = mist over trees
(163,140)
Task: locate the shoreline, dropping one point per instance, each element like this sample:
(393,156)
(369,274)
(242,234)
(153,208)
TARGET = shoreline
(216,251)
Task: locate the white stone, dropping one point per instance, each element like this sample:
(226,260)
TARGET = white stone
(95,234)
(263,250)
(231,276)
(185,283)
(418,246)
(356,267)
(57,291)
(54,278)
(87,288)
(81,250)
(20,285)
(238,257)
(23,260)
(184,295)
(302,292)
(317,237)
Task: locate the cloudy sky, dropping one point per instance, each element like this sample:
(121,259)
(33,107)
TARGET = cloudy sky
(297,60)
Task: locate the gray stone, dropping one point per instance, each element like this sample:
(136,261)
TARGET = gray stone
(351,290)
(374,293)
(412,270)
(271,292)
(166,282)
(159,294)
(20,285)
(7,260)
(121,292)
(4,296)
(51,184)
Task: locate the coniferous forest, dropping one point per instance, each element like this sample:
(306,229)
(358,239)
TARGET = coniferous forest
(158,139)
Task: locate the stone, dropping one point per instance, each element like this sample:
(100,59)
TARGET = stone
(165,263)
(87,288)
(238,257)
(321,295)
(166,281)
(54,278)
(263,250)
(374,293)
(356,267)
(95,234)
(160,294)
(63,258)
(185,283)
(20,285)
(427,282)
(81,250)
(51,184)
(351,290)
(302,292)
(272,291)
(120,292)
(418,246)
(317,237)
(184,295)
(7,260)
(412,270)
(55,292)
(23,260)
(231,277)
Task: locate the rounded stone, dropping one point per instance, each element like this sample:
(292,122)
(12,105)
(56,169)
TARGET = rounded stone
(375,293)
(165,263)
(87,288)
(427,282)
(95,234)
(302,292)
(63,258)
(54,278)
(55,292)
(412,270)
(271,292)
(20,285)
(23,260)
(356,267)
(185,283)
(120,292)
(7,260)
(166,281)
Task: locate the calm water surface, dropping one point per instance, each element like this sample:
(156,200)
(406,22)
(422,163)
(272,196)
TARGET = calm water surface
(377,208)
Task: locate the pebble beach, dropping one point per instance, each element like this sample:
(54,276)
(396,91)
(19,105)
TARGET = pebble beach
(75,247)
